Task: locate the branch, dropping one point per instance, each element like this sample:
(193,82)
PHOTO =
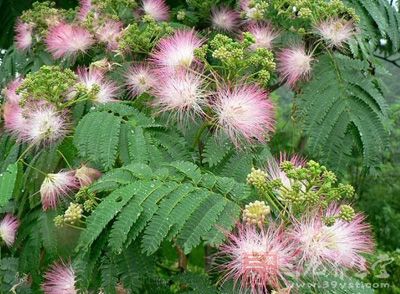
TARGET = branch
(388,60)
(276,86)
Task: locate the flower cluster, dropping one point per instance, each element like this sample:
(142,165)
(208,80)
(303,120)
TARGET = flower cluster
(262,254)
(8,229)
(57,186)
(302,185)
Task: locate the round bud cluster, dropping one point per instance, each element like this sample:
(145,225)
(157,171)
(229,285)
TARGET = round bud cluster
(59,221)
(329,220)
(346,190)
(73,214)
(312,197)
(346,213)
(89,205)
(258,179)
(255,212)
(293,196)
(329,176)
(181,15)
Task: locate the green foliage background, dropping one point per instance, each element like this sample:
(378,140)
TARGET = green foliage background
(140,143)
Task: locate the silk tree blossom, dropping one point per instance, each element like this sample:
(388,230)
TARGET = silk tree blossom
(10,92)
(95,81)
(56,186)
(23,36)
(264,35)
(85,6)
(274,171)
(139,79)
(44,124)
(86,175)
(294,64)
(258,258)
(60,279)
(177,51)
(157,9)
(244,112)
(14,121)
(336,32)
(108,33)
(68,40)
(182,94)
(250,13)
(8,229)
(339,246)
(225,19)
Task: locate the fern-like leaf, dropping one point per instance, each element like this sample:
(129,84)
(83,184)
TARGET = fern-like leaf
(160,224)
(104,213)
(342,94)
(97,138)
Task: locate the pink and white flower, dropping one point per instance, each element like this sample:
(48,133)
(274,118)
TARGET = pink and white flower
(225,19)
(8,229)
(339,246)
(264,35)
(258,258)
(108,33)
(10,92)
(85,6)
(336,32)
(94,79)
(276,173)
(294,64)
(140,78)
(60,279)
(244,111)
(56,186)
(68,40)
(157,9)
(177,51)
(23,36)
(86,175)
(14,121)
(181,93)
(44,124)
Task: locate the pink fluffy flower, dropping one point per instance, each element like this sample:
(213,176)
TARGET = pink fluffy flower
(225,19)
(44,124)
(108,33)
(264,35)
(275,172)
(8,229)
(177,51)
(181,93)
(60,279)
(258,259)
(336,32)
(57,186)
(244,111)
(10,92)
(294,64)
(140,79)
(23,36)
(157,9)
(93,79)
(86,175)
(84,8)
(14,121)
(68,40)
(338,246)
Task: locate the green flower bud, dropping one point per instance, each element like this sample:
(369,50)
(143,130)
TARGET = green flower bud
(346,213)
(73,214)
(255,212)
(59,221)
